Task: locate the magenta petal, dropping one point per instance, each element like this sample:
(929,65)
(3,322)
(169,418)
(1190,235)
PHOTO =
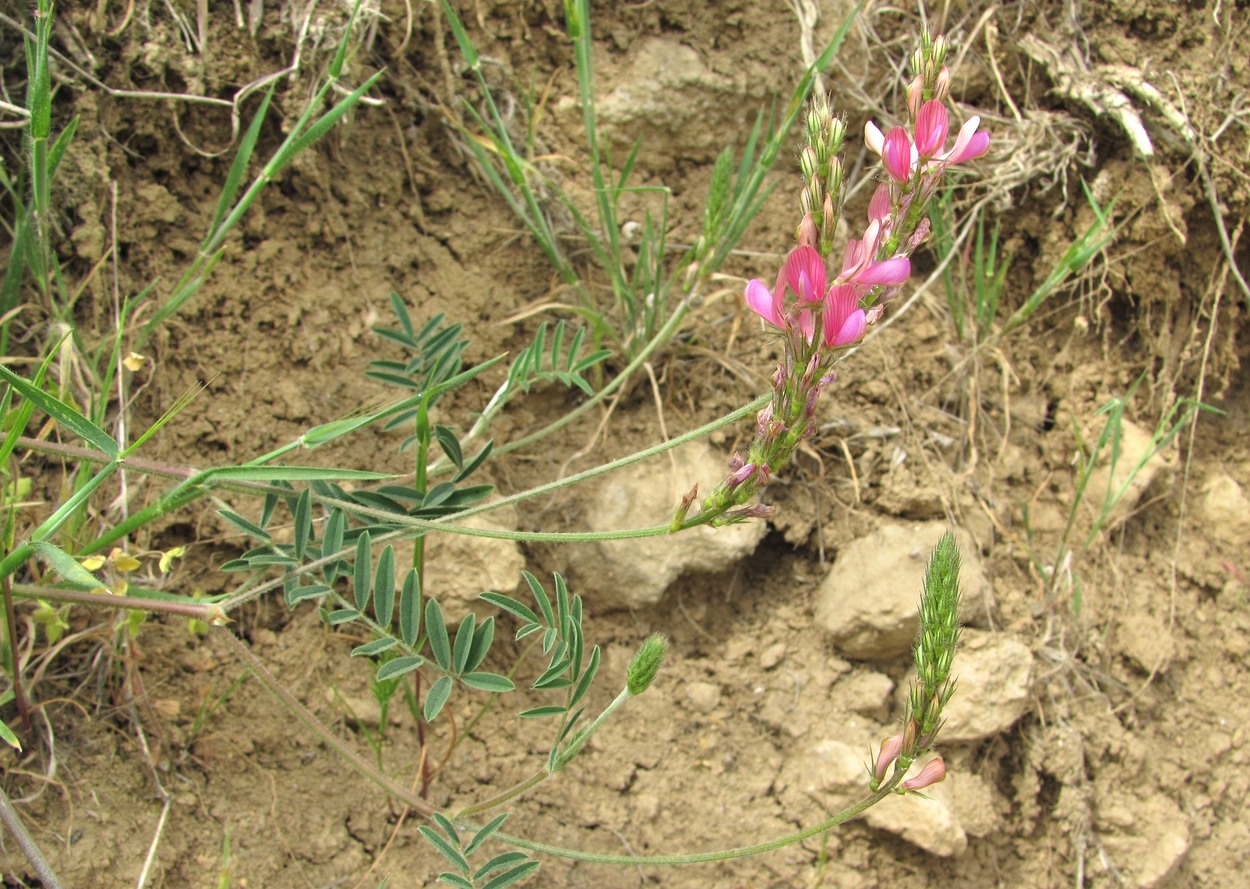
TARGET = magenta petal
(977,146)
(879,206)
(891,271)
(931,128)
(805,272)
(896,154)
(761,302)
(807,324)
(852,329)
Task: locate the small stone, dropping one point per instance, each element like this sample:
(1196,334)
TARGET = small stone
(866,692)
(773,655)
(1226,510)
(704,697)
(647,493)
(1152,847)
(994,676)
(870,601)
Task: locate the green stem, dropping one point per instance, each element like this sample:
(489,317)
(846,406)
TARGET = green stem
(209,613)
(730,418)
(721,854)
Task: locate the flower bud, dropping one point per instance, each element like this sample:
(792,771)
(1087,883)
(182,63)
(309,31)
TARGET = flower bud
(915,96)
(646,664)
(934,772)
(808,162)
(807,233)
(942,85)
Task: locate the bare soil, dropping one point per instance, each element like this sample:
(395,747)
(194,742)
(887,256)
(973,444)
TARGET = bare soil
(1128,766)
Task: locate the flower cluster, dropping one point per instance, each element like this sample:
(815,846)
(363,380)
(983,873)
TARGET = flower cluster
(819,313)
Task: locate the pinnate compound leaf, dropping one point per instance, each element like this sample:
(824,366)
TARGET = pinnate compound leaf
(360,583)
(588,677)
(516,874)
(436,629)
(510,605)
(483,636)
(243,524)
(482,836)
(436,697)
(499,861)
(439,842)
(450,444)
(542,712)
(410,607)
(540,596)
(476,462)
(455,880)
(377,646)
(464,644)
(491,682)
(342,616)
(384,587)
(399,667)
(332,542)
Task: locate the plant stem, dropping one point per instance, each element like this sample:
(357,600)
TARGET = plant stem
(13,821)
(207,612)
(719,855)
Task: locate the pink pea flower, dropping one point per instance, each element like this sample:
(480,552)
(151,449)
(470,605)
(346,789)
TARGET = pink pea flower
(932,125)
(890,749)
(969,144)
(879,206)
(933,772)
(896,154)
(845,321)
(805,273)
(860,267)
(769,305)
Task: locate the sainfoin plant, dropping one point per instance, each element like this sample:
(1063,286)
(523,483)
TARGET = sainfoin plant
(342,551)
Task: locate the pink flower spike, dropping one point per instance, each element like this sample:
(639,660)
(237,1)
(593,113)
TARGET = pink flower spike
(896,154)
(879,206)
(969,144)
(763,303)
(844,321)
(931,129)
(805,272)
(933,772)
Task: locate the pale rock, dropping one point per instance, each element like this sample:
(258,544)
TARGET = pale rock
(458,567)
(1133,473)
(683,107)
(836,775)
(1152,845)
(929,823)
(1226,510)
(869,603)
(866,692)
(703,697)
(635,573)
(994,679)
(772,655)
